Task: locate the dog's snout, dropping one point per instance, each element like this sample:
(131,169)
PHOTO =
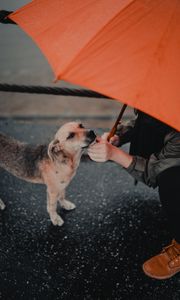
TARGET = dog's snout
(91,135)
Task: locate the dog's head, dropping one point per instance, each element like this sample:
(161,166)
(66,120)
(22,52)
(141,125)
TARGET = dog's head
(71,137)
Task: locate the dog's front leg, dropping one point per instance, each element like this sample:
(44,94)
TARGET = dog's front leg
(52,198)
(66,204)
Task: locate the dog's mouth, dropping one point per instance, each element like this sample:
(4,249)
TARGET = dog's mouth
(90,138)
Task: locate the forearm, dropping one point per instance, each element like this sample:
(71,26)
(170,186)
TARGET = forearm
(121,157)
(136,166)
(103,151)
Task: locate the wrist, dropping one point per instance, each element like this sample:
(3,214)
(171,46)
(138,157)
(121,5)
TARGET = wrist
(121,157)
(112,152)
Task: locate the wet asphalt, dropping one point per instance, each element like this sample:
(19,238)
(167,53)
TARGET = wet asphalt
(99,251)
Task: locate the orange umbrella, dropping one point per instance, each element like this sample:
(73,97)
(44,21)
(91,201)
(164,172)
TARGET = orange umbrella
(126,49)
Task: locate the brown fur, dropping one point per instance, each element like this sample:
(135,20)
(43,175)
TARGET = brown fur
(54,164)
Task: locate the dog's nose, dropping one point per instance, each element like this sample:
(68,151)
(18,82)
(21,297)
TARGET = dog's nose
(91,135)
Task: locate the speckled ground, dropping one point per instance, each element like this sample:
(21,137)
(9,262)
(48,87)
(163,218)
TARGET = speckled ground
(98,252)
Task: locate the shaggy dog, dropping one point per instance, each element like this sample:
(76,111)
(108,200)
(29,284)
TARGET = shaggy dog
(54,165)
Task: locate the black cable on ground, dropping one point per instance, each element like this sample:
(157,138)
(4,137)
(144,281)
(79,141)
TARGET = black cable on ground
(49,90)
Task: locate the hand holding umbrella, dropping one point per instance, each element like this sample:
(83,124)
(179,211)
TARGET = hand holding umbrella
(103,151)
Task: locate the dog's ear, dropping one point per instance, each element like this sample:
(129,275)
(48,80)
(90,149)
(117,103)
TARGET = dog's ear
(54,149)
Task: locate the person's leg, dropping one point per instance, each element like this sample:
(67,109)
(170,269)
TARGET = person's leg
(167,263)
(169,193)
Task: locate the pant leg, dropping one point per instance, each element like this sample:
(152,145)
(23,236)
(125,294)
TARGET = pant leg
(169,193)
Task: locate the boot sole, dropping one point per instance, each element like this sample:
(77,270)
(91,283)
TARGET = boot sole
(159,277)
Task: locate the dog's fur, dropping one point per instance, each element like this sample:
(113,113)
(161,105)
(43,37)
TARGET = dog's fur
(54,164)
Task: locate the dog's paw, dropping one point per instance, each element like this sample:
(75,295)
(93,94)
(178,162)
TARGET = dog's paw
(68,205)
(57,220)
(2,205)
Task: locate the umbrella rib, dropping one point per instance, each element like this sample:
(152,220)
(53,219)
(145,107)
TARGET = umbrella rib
(87,44)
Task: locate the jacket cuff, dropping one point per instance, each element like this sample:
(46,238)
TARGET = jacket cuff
(132,165)
(138,164)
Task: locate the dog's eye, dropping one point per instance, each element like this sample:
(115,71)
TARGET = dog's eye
(71,135)
(81,126)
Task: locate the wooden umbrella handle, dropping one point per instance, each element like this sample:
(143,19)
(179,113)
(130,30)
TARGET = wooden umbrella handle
(114,128)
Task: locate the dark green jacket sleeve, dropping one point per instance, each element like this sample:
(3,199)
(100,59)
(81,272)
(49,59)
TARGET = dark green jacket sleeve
(147,170)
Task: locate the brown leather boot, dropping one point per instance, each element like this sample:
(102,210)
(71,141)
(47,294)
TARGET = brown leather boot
(165,264)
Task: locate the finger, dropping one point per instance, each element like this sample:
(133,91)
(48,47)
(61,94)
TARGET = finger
(97,159)
(112,140)
(114,137)
(94,152)
(97,155)
(97,147)
(98,139)
(105,136)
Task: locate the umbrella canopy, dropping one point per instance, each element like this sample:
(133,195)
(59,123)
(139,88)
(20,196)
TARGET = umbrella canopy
(126,49)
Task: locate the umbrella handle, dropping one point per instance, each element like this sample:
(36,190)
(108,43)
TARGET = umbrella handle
(114,128)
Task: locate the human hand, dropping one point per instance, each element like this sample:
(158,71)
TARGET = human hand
(101,151)
(114,140)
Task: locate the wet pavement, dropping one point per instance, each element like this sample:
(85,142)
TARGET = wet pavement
(98,252)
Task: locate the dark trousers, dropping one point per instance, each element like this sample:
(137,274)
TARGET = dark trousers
(169,193)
